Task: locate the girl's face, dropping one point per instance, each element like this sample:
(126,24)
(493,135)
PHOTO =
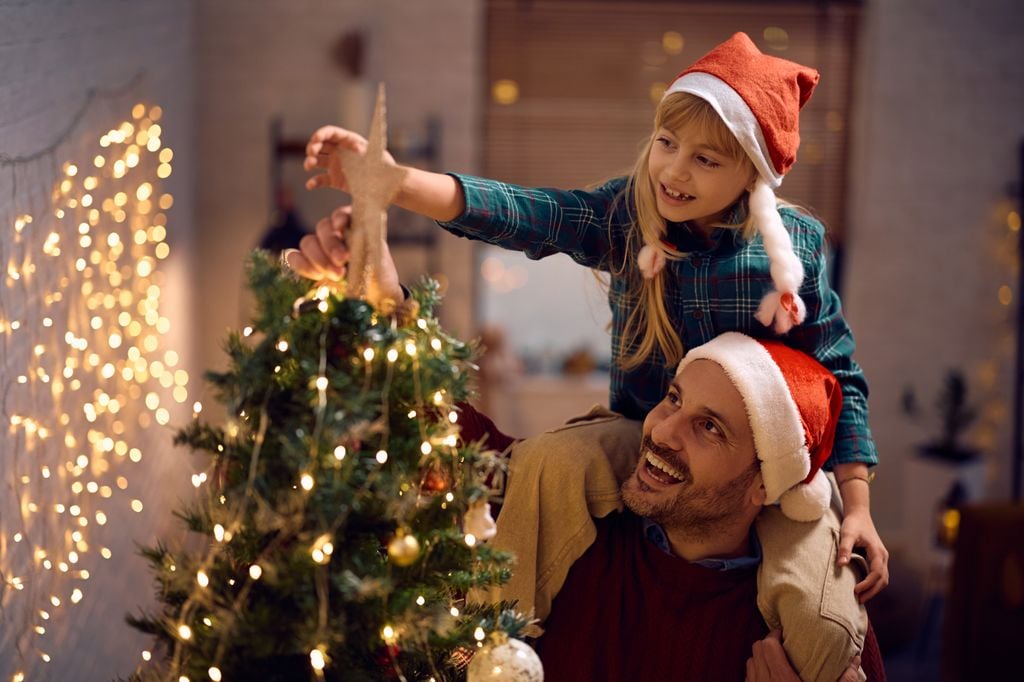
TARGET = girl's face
(692,179)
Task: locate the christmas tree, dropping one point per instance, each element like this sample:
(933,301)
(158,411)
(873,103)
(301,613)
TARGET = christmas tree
(335,527)
(342,527)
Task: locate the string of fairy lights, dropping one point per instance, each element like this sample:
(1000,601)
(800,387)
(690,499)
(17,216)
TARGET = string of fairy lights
(438,438)
(85,368)
(86,373)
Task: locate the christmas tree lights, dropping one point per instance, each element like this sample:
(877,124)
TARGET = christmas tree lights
(342,532)
(340,541)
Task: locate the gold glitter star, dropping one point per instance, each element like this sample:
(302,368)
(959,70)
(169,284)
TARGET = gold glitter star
(373,182)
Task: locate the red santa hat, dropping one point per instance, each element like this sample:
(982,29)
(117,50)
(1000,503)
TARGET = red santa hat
(759,98)
(793,404)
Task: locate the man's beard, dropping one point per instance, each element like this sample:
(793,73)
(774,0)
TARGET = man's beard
(697,511)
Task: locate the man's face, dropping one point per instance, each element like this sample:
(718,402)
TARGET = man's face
(697,468)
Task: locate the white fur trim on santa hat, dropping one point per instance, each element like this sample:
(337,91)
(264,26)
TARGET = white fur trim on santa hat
(779,437)
(807,501)
(651,261)
(736,114)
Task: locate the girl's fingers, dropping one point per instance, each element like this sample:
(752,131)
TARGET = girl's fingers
(846,542)
(870,594)
(334,135)
(321,180)
(866,587)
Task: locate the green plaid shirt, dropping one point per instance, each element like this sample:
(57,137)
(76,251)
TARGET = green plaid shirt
(716,288)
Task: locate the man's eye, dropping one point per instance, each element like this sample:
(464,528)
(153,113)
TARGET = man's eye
(710,427)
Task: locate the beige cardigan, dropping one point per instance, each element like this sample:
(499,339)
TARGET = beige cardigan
(561,480)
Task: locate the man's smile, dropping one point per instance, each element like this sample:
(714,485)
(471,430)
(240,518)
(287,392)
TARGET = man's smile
(657,471)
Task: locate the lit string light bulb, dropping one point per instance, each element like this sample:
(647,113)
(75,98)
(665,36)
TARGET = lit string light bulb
(84,335)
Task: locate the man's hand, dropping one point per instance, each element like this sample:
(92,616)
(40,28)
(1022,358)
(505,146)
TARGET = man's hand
(322,256)
(858,530)
(322,151)
(770,664)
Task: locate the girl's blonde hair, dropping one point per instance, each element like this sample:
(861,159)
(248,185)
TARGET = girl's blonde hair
(648,326)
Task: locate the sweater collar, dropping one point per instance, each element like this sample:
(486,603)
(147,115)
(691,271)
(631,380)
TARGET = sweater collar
(656,534)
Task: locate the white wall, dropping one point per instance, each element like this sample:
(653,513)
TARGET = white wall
(256,65)
(51,54)
(936,142)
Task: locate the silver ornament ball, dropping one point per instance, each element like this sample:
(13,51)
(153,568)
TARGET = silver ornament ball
(511,660)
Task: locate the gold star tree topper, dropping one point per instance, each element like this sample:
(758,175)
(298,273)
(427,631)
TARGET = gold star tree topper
(373,182)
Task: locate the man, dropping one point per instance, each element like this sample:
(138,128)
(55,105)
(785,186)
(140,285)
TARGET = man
(668,589)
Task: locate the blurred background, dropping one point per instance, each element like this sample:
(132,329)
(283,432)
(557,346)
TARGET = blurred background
(911,154)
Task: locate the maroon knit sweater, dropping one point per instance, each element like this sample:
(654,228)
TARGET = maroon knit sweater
(629,611)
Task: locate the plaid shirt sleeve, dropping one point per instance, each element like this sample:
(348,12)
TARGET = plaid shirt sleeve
(541,222)
(826,335)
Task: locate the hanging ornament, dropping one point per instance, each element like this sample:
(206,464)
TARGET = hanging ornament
(478,522)
(404,549)
(385,657)
(509,660)
(435,479)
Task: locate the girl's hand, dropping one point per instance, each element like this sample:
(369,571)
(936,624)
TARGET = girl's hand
(323,152)
(858,530)
(324,255)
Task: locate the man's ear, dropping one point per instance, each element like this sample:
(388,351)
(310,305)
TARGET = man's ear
(758,495)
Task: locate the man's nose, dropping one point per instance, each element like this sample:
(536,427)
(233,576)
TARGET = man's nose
(668,433)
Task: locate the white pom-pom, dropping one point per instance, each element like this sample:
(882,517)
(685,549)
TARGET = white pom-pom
(781,311)
(807,501)
(651,261)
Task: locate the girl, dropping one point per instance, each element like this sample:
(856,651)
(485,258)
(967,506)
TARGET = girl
(695,243)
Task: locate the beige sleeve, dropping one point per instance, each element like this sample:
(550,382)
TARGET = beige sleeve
(558,482)
(802,592)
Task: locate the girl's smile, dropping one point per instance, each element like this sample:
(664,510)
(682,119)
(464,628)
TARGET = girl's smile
(674,196)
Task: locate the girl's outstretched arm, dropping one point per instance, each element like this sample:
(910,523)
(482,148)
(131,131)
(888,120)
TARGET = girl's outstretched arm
(434,195)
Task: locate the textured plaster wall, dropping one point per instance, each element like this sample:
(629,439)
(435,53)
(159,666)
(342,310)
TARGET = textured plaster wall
(275,62)
(936,148)
(52,52)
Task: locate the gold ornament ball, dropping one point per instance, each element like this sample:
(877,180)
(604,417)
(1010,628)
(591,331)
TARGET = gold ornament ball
(404,549)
